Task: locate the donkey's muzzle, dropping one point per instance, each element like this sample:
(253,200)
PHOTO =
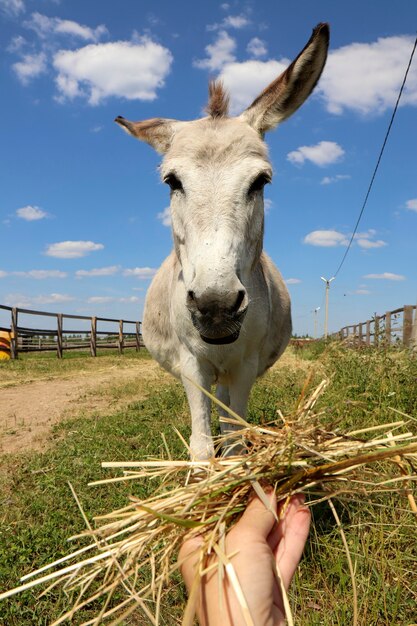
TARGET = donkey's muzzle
(218,320)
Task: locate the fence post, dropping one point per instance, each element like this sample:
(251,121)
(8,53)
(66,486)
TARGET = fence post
(407,324)
(93,337)
(137,336)
(59,336)
(388,328)
(360,334)
(376,331)
(414,332)
(368,333)
(14,340)
(120,336)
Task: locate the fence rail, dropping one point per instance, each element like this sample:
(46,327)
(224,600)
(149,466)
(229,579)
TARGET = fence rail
(59,339)
(394,327)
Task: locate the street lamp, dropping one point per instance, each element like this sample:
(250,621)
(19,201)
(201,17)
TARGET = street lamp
(316,310)
(326,318)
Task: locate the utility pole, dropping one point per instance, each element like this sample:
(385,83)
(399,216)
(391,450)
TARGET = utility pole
(413,342)
(326,317)
(315,321)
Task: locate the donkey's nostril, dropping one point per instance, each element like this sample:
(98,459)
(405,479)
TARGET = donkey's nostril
(239,300)
(191,296)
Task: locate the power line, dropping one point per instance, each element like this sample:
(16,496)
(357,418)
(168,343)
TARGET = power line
(378,162)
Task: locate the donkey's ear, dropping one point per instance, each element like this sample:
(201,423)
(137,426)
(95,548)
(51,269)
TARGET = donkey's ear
(288,92)
(157,132)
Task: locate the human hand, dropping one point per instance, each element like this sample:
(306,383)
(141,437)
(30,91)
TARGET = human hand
(259,544)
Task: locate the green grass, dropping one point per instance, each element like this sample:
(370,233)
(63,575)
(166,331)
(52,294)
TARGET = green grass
(39,513)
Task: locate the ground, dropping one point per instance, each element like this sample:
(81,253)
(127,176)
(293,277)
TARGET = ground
(63,418)
(30,408)
(32,405)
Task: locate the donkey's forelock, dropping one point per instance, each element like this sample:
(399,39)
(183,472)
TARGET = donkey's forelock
(218,104)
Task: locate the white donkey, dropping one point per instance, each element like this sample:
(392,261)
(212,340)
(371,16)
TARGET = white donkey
(218,310)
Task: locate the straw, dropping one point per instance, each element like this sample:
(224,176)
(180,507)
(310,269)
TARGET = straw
(295,454)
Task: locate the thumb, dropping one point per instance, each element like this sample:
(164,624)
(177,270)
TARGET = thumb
(257,517)
(188,558)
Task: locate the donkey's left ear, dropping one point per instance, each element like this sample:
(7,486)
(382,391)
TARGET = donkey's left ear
(157,132)
(288,92)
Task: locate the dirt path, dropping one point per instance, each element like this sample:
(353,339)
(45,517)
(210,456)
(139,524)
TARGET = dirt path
(29,410)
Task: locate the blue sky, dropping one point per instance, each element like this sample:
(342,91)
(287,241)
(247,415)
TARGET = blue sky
(82,210)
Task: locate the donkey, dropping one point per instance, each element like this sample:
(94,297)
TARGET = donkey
(218,311)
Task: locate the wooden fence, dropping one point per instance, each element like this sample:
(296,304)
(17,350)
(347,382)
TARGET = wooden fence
(59,338)
(393,328)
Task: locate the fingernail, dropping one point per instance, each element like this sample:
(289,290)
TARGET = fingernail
(298,500)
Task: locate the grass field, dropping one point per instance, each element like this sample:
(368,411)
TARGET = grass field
(38,512)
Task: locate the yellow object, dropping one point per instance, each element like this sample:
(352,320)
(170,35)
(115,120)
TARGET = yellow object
(5,339)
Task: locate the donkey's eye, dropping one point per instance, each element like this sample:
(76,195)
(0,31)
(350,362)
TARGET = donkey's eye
(173,182)
(259,183)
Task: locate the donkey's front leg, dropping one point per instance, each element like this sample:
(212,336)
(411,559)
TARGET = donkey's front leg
(192,371)
(239,389)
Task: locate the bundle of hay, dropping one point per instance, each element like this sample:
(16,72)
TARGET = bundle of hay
(295,454)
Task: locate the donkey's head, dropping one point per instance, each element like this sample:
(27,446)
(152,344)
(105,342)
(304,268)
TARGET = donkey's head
(216,168)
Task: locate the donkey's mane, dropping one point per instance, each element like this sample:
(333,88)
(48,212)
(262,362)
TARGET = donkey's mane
(218,104)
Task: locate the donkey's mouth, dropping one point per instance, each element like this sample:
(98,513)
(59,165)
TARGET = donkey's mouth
(218,332)
(221,341)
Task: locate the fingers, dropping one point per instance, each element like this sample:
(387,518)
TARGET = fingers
(188,558)
(257,518)
(294,529)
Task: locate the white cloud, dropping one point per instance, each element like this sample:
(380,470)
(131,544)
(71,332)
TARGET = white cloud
(123,69)
(293,281)
(72,249)
(362,292)
(411,204)
(143,273)
(368,244)
(18,299)
(31,213)
(101,271)
(366,240)
(130,299)
(326,238)
(53,298)
(100,299)
(366,77)
(23,301)
(362,77)
(323,153)
(268,204)
(219,53)
(246,80)
(257,47)
(45,26)
(332,238)
(235,21)
(385,276)
(231,21)
(329,180)
(13,8)
(165,216)
(16,44)
(3,274)
(31,66)
(106,299)
(41,274)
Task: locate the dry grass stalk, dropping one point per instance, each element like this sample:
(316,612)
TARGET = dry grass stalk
(298,455)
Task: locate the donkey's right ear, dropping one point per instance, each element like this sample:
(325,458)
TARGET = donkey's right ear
(157,132)
(288,92)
